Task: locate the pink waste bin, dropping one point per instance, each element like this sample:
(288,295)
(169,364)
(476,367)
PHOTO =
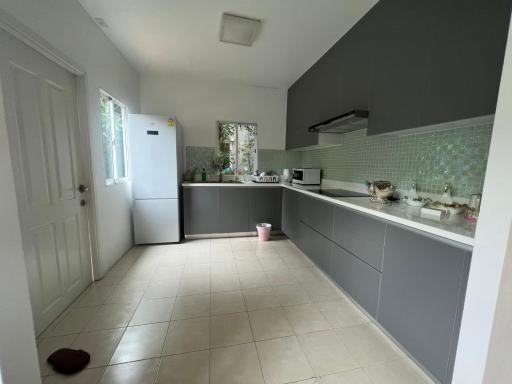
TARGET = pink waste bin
(263,231)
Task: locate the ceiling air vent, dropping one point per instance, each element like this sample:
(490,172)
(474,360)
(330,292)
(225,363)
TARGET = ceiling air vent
(239,30)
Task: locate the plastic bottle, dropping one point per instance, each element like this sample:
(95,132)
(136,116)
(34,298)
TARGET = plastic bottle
(204,176)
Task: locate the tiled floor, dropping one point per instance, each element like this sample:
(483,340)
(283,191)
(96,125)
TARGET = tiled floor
(222,311)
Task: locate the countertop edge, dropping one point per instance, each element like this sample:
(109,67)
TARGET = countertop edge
(465,240)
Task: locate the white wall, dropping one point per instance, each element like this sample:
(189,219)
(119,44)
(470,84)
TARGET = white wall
(69,29)
(18,358)
(198,104)
(485,342)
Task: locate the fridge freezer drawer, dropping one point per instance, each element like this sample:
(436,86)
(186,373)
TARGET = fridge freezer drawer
(156,221)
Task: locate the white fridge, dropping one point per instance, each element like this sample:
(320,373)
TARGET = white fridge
(156,166)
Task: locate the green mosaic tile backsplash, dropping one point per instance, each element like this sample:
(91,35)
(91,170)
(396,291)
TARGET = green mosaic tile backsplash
(457,156)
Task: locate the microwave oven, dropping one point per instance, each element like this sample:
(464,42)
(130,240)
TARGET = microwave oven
(306,176)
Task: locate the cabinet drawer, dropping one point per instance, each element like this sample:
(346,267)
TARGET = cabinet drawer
(318,214)
(361,235)
(357,278)
(315,246)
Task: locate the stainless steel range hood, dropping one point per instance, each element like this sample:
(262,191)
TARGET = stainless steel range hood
(348,122)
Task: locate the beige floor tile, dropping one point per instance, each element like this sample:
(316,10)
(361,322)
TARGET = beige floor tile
(137,372)
(138,275)
(199,257)
(227,302)
(187,307)
(188,335)
(291,294)
(245,255)
(235,365)
(113,277)
(174,260)
(153,311)
(74,321)
(161,289)
(281,277)
(131,293)
(49,345)
(260,298)
(356,376)
(140,342)
(99,344)
(321,291)
(225,282)
(197,271)
(326,352)
(253,280)
(168,273)
(87,376)
(188,368)
(111,316)
(401,371)
(271,263)
(269,324)
(248,266)
(230,330)
(221,256)
(94,295)
(368,344)
(306,318)
(222,268)
(283,361)
(341,313)
(308,275)
(195,286)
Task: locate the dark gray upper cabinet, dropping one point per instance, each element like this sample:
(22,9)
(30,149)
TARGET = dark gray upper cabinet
(361,235)
(201,210)
(318,215)
(410,63)
(233,210)
(422,294)
(265,207)
(357,278)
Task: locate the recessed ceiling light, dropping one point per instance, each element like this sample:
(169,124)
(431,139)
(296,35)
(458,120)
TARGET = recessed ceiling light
(100,22)
(239,30)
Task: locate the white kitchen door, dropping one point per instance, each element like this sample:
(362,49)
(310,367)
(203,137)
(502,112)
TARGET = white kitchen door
(41,110)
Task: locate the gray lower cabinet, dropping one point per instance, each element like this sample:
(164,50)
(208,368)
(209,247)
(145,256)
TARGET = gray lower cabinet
(233,210)
(357,278)
(318,215)
(201,210)
(265,207)
(315,246)
(422,294)
(291,214)
(360,234)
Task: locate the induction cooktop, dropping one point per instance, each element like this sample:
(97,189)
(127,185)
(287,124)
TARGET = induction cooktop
(340,193)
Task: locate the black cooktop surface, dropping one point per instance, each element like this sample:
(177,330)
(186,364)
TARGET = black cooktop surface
(340,193)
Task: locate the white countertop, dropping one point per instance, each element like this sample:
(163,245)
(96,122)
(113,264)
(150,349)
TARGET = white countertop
(455,227)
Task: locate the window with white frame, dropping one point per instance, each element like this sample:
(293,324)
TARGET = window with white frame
(238,154)
(113,127)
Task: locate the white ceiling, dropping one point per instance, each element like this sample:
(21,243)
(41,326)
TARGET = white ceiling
(182,36)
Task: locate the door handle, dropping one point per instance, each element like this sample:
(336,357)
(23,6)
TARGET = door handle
(83,189)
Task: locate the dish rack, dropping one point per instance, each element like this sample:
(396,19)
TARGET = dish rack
(265,179)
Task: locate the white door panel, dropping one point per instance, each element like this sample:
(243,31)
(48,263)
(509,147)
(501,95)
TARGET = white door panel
(40,104)
(156,221)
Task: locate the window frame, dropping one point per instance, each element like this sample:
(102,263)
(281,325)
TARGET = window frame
(238,124)
(124,111)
